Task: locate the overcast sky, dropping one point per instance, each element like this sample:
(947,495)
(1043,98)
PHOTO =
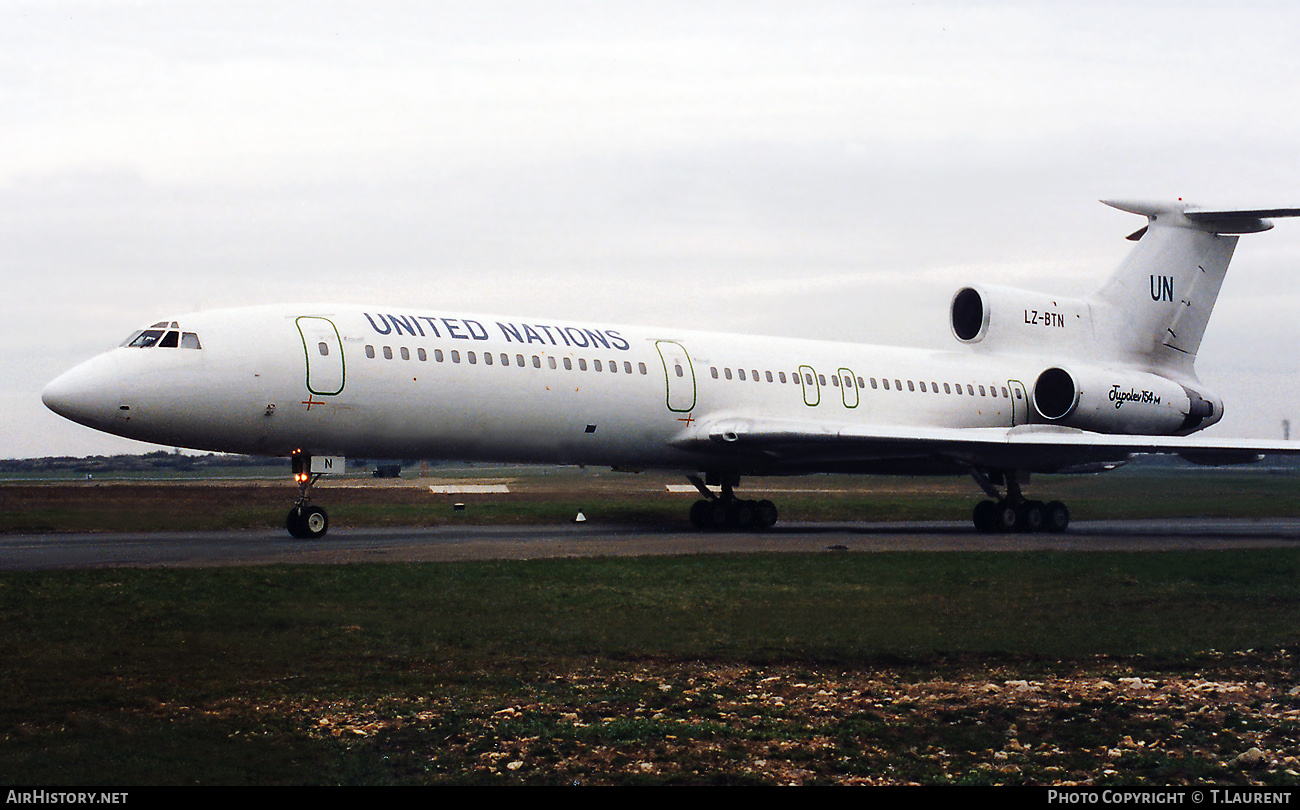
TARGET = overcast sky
(814,169)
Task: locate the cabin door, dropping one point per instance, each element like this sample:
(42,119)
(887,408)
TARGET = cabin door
(680,376)
(1019,403)
(324,348)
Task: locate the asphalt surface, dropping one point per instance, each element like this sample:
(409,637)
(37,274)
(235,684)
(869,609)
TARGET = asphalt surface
(30,552)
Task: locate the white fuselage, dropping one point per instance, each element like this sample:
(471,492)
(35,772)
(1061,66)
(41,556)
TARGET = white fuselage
(392,383)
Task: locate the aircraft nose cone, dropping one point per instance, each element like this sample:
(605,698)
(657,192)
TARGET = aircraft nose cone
(83,395)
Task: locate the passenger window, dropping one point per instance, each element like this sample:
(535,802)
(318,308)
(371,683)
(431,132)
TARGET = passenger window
(741,373)
(568,364)
(780,375)
(537,361)
(550,361)
(911,386)
(714,371)
(767,375)
(370,352)
(582,364)
(596,365)
(388,352)
(423,355)
(437,355)
(923,391)
(487,358)
(886,382)
(613,366)
(627,367)
(727,373)
(455,356)
(406,353)
(641,368)
(473,358)
(519,360)
(835,380)
(680,373)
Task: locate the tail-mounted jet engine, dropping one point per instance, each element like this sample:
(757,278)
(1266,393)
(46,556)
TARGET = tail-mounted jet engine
(1007,318)
(1121,402)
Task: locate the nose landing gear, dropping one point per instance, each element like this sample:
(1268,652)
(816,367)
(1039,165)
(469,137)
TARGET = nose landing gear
(305,522)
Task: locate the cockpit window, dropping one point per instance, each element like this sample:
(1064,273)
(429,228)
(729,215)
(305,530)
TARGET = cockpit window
(164,334)
(146,339)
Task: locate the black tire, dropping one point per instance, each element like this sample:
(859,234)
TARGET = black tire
(767,514)
(1005,517)
(307,522)
(1030,516)
(701,515)
(1056,517)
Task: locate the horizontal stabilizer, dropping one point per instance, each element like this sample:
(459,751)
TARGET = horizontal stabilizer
(1251,220)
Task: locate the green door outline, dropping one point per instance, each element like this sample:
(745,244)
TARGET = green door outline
(679,376)
(323,349)
(1019,403)
(848,387)
(812,391)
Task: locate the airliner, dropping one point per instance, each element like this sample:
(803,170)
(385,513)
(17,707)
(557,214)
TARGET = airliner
(1033,383)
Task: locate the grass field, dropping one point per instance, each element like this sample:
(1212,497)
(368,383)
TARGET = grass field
(932,668)
(617,499)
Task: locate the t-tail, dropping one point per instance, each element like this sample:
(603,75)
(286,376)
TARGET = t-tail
(1135,337)
(1150,315)
(1153,311)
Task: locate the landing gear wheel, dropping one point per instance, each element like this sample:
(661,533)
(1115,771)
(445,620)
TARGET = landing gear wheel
(1030,516)
(765,514)
(743,515)
(1055,517)
(307,522)
(702,515)
(1005,516)
(985,516)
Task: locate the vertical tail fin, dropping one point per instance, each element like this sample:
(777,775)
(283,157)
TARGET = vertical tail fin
(1153,311)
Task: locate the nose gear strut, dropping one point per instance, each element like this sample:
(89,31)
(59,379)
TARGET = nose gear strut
(305,522)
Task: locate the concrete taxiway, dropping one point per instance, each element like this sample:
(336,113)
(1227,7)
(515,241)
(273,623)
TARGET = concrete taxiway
(25,552)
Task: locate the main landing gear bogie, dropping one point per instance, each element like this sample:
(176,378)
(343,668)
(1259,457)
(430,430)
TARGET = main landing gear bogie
(1026,516)
(726,512)
(1013,512)
(733,514)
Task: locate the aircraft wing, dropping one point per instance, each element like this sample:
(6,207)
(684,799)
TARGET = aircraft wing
(1035,448)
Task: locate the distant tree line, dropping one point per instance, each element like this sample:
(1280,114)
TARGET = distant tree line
(156,460)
